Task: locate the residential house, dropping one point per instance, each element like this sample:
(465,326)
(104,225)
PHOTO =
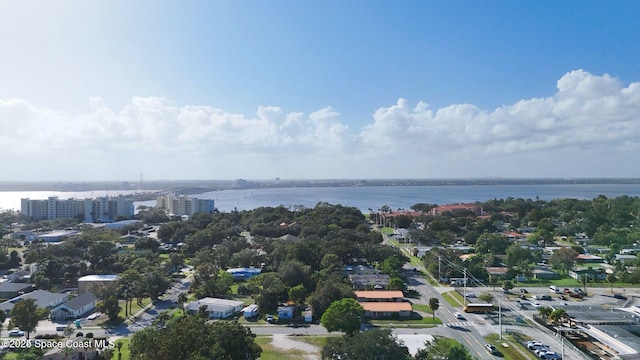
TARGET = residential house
(75,308)
(244,273)
(43,299)
(80,349)
(10,290)
(592,274)
(286,312)
(545,274)
(217,308)
(497,271)
(402,235)
(250,311)
(589,259)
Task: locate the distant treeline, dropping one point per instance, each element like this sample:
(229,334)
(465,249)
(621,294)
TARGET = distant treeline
(212,185)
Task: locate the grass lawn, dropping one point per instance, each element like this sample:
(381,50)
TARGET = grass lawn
(124,350)
(453,298)
(513,351)
(415,321)
(386,230)
(134,306)
(422,307)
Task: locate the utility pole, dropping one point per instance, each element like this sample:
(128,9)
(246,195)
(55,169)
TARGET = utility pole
(562,342)
(464,289)
(500,317)
(439,274)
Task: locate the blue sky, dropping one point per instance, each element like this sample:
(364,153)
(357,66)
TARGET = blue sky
(331,89)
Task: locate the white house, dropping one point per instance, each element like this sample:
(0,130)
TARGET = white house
(285,312)
(76,307)
(250,311)
(217,308)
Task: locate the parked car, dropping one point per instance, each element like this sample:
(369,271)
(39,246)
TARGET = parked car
(536,346)
(562,297)
(15,333)
(536,304)
(490,348)
(576,295)
(269,318)
(567,291)
(530,342)
(471,295)
(541,350)
(532,345)
(524,291)
(620,296)
(552,356)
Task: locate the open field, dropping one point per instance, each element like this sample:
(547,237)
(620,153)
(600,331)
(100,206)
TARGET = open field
(453,298)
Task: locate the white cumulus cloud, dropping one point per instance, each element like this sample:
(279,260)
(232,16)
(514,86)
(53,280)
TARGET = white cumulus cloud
(588,116)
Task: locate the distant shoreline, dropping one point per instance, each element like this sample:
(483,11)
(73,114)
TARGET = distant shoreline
(201,186)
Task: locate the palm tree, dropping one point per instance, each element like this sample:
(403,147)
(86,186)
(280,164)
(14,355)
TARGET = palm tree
(434,304)
(182,299)
(544,311)
(611,278)
(557,315)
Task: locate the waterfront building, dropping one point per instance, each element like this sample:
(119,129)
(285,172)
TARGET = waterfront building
(184,205)
(103,209)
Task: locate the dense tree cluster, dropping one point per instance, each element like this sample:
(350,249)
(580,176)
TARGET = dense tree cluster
(192,338)
(302,252)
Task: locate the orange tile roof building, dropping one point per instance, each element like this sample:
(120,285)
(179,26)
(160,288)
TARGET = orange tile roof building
(380,296)
(475,209)
(377,309)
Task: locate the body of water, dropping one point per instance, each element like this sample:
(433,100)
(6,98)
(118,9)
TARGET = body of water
(364,197)
(374,197)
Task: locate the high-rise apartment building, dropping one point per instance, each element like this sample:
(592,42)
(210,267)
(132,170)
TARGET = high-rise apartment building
(102,209)
(184,205)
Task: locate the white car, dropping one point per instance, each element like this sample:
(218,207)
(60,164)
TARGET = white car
(533,344)
(13,333)
(542,350)
(93,316)
(471,295)
(458,315)
(536,304)
(536,346)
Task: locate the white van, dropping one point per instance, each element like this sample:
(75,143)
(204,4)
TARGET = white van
(554,289)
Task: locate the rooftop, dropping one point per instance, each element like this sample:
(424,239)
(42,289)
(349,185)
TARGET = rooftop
(99,278)
(390,294)
(386,306)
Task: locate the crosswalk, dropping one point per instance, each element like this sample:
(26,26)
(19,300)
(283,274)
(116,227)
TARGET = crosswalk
(459,324)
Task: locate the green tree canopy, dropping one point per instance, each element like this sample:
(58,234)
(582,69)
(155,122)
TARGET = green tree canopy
(343,315)
(434,304)
(189,337)
(443,348)
(368,345)
(25,315)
